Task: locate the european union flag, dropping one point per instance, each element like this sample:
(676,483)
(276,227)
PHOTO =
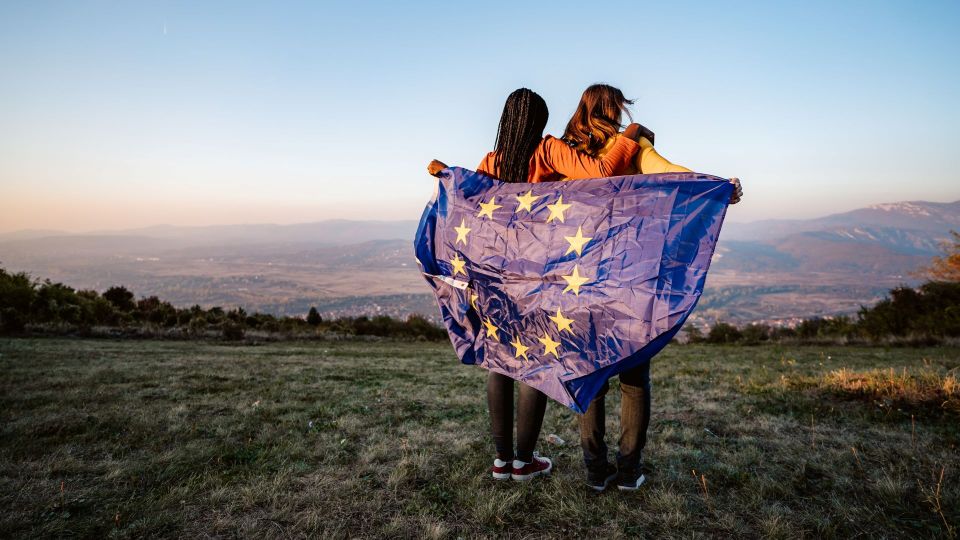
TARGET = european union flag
(562,285)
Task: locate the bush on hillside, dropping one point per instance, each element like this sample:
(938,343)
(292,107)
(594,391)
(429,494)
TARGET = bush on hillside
(56,308)
(922,315)
(722,332)
(933,309)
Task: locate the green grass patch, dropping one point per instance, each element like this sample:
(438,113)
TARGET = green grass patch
(106,438)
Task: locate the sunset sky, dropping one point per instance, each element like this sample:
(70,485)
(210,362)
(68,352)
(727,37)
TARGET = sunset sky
(128,114)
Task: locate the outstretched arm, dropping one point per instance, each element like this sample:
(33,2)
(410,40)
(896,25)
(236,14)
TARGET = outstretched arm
(649,161)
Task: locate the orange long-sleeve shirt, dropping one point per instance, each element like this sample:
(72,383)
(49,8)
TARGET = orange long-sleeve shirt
(648,160)
(555,160)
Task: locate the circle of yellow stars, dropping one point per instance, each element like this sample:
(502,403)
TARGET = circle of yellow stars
(574,281)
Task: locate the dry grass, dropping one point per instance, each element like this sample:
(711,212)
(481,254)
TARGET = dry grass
(922,387)
(162,439)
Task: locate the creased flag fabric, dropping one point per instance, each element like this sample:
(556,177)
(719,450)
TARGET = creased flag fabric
(562,285)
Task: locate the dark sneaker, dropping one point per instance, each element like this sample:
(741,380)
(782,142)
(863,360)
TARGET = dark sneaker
(600,476)
(501,469)
(630,479)
(523,471)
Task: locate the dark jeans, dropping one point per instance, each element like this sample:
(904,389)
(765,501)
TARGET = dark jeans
(530,408)
(634,421)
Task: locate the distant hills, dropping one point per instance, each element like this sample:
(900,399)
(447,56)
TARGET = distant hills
(888,240)
(914,216)
(777,271)
(330,232)
(773,270)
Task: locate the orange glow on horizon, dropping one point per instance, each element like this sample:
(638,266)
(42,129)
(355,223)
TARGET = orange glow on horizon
(77,215)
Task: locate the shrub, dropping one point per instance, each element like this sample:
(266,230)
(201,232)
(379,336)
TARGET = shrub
(231,331)
(419,327)
(931,310)
(56,302)
(121,298)
(17,292)
(153,310)
(755,334)
(723,333)
(197,325)
(694,335)
(11,321)
(947,267)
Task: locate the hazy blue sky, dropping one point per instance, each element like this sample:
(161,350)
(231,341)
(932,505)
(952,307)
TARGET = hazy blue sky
(122,114)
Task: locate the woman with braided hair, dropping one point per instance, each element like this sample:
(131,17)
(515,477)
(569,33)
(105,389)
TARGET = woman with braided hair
(522,154)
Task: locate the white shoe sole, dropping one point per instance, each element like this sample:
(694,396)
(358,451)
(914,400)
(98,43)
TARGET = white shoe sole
(634,487)
(501,476)
(606,483)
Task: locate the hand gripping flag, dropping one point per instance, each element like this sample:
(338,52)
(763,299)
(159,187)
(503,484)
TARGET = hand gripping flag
(562,285)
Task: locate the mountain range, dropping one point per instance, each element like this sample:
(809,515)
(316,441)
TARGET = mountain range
(773,271)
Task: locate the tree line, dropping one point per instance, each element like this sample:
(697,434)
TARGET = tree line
(49,307)
(924,314)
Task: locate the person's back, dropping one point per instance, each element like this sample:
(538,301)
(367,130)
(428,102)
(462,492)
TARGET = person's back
(592,130)
(647,161)
(555,160)
(522,154)
(593,127)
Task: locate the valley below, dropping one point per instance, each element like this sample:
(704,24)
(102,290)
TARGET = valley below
(776,272)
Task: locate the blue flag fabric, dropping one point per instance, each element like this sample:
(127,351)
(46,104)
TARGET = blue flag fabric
(562,285)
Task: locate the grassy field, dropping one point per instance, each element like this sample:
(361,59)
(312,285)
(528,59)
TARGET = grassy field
(368,439)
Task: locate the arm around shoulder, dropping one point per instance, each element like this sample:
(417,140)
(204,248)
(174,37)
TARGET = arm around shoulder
(577,165)
(649,161)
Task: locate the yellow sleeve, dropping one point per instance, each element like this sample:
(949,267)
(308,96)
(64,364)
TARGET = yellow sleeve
(650,162)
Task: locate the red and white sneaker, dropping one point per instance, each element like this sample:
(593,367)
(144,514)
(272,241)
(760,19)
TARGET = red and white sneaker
(501,469)
(523,471)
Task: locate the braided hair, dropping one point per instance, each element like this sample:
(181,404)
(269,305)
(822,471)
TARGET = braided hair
(521,129)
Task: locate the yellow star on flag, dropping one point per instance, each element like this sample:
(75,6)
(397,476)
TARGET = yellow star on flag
(521,349)
(563,323)
(575,280)
(557,209)
(577,242)
(549,345)
(526,201)
(473,301)
(462,231)
(458,265)
(487,208)
(491,330)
